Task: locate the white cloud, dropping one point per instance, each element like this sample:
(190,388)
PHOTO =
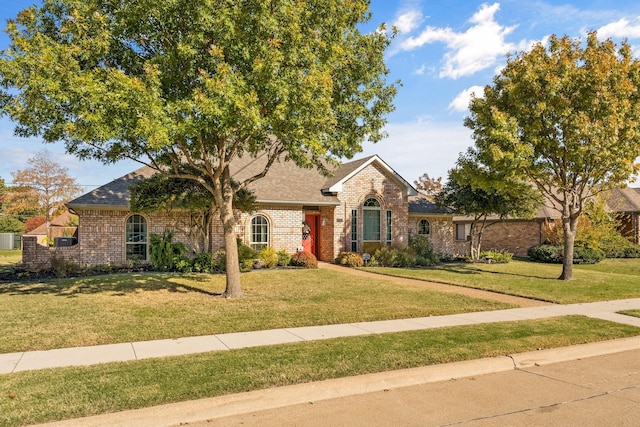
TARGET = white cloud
(408,20)
(420,71)
(622,28)
(414,148)
(468,52)
(461,101)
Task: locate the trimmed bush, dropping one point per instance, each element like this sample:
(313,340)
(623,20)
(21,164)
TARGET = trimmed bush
(582,255)
(283,258)
(554,254)
(350,259)
(304,259)
(546,253)
(268,257)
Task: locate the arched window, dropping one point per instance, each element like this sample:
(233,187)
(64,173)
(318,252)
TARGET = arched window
(136,238)
(424,227)
(259,232)
(371,220)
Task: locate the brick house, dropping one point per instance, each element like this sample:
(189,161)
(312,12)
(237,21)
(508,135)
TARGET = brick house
(363,205)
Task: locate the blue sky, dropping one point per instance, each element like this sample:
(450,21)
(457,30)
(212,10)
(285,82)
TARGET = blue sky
(445,50)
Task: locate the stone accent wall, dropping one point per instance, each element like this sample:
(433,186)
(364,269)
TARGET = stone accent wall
(37,257)
(372,181)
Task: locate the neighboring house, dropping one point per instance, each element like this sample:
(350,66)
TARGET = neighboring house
(626,203)
(427,219)
(515,235)
(364,205)
(59,231)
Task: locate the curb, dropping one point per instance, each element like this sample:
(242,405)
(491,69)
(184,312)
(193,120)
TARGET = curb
(258,400)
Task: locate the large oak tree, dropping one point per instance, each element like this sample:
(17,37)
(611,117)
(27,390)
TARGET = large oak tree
(566,117)
(190,85)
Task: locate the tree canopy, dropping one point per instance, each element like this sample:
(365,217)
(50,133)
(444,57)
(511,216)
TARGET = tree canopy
(565,117)
(486,196)
(46,183)
(189,85)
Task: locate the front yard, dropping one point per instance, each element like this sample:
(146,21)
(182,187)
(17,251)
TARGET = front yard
(40,315)
(610,279)
(113,308)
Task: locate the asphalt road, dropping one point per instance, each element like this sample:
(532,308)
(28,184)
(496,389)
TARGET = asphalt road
(595,391)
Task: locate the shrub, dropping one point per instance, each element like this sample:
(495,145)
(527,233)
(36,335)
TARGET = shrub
(385,257)
(62,267)
(204,262)
(165,254)
(499,257)
(546,253)
(554,254)
(304,259)
(421,246)
(268,257)
(283,258)
(246,253)
(632,251)
(582,255)
(350,259)
(9,224)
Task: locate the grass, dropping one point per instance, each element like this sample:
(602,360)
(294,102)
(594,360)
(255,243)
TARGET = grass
(116,308)
(10,258)
(608,280)
(56,394)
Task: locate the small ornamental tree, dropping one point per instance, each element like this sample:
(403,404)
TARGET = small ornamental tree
(187,86)
(50,183)
(474,191)
(564,117)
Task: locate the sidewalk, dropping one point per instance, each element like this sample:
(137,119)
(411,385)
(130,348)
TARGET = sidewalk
(80,356)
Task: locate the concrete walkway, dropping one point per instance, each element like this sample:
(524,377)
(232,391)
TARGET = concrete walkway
(79,356)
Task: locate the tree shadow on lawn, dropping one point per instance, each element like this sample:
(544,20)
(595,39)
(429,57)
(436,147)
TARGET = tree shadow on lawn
(470,269)
(114,284)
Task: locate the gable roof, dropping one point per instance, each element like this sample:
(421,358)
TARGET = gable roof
(284,183)
(421,204)
(624,200)
(348,170)
(60,221)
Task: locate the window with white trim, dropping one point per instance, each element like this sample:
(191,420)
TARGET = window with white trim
(136,238)
(354,230)
(371,220)
(424,227)
(463,231)
(389,231)
(259,232)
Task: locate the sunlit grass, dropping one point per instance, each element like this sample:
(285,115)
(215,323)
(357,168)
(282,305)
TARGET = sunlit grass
(40,315)
(56,394)
(609,280)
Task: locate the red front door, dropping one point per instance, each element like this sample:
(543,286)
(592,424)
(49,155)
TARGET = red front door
(314,233)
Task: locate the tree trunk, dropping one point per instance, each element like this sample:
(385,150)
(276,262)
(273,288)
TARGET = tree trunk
(569,227)
(234,287)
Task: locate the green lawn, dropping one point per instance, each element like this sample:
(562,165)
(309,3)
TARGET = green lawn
(146,306)
(10,258)
(608,280)
(57,394)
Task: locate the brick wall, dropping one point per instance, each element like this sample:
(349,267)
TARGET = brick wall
(101,234)
(442,235)
(513,236)
(372,181)
(37,257)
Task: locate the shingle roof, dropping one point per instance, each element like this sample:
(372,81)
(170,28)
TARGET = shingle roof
(423,205)
(624,199)
(114,194)
(284,183)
